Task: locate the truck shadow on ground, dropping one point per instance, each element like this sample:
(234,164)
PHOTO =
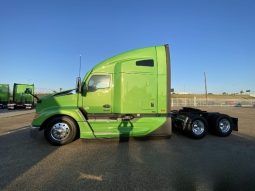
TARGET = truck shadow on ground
(19,153)
(179,163)
(124,128)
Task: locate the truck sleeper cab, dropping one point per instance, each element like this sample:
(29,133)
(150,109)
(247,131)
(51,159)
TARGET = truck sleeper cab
(21,100)
(4,95)
(126,95)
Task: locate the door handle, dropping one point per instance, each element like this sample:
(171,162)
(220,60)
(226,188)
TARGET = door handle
(106,106)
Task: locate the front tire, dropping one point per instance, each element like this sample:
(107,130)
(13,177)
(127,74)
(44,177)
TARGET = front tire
(60,130)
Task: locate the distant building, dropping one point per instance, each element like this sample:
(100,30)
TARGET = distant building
(182,93)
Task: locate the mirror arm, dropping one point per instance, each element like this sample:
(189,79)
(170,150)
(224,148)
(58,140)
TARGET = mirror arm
(35,96)
(28,91)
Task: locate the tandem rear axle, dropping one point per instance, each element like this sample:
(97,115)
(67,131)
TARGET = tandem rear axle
(197,123)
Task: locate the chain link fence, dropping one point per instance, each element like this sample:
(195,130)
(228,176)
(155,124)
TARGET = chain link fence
(196,102)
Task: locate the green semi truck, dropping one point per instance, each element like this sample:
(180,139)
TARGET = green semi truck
(4,95)
(127,95)
(20,99)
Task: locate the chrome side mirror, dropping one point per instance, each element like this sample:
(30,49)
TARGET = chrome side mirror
(28,91)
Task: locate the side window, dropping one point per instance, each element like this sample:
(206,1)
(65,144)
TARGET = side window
(99,82)
(149,63)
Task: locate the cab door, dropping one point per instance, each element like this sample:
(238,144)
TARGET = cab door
(98,97)
(97,102)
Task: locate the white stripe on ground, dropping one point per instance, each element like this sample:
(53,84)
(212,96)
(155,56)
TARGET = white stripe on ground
(15,113)
(90,177)
(14,131)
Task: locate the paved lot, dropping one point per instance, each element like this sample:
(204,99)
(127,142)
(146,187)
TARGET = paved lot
(9,113)
(15,120)
(178,163)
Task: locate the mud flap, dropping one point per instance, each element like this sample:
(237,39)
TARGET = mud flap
(235,121)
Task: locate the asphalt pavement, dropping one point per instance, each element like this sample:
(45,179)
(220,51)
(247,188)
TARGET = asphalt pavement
(11,113)
(178,163)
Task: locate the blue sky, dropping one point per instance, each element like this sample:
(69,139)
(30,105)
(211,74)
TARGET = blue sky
(40,41)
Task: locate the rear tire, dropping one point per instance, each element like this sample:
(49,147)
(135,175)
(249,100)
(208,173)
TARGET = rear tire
(224,126)
(60,130)
(197,127)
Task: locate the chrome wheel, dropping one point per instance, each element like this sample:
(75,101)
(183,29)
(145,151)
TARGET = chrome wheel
(198,127)
(60,131)
(224,125)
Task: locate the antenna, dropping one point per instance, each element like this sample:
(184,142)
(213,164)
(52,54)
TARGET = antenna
(80,67)
(205,87)
(78,81)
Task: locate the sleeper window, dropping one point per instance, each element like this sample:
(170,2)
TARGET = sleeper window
(148,63)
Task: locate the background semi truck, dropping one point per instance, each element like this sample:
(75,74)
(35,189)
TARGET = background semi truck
(20,99)
(125,95)
(4,95)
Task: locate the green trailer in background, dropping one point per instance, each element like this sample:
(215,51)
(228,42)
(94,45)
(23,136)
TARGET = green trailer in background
(20,99)
(4,95)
